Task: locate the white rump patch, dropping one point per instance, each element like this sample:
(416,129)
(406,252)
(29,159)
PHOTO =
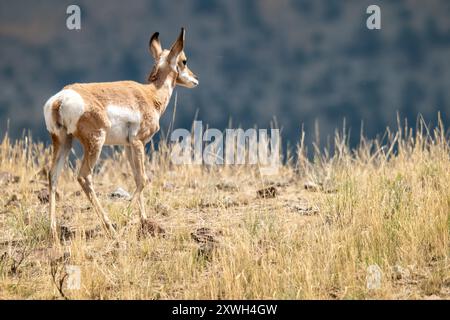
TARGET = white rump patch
(125,124)
(49,123)
(72,107)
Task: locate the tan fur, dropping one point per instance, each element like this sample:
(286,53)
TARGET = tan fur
(147,98)
(93,125)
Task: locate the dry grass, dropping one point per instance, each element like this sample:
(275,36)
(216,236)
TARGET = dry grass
(387,203)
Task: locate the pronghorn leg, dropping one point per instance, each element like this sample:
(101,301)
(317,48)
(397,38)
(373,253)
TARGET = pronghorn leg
(140,177)
(91,155)
(129,155)
(61,147)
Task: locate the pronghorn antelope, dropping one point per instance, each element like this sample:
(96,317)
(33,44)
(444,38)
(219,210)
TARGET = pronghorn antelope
(113,113)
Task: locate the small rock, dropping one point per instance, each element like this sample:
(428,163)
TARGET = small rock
(205,250)
(204,203)
(326,187)
(204,235)
(311,186)
(42,174)
(77,193)
(92,233)
(269,192)
(227,186)
(207,241)
(6,177)
(149,227)
(162,209)
(446,282)
(44,196)
(86,208)
(281,183)
(13,201)
(66,232)
(168,186)
(304,209)
(120,193)
(400,273)
(68,210)
(230,202)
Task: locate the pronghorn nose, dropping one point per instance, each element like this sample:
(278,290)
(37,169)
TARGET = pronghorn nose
(195,80)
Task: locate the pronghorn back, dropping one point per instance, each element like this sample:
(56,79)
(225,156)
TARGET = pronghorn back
(119,107)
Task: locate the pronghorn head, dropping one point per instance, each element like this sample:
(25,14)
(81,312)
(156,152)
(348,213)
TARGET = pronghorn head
(173,60)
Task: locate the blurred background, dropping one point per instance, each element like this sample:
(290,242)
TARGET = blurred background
(300,62)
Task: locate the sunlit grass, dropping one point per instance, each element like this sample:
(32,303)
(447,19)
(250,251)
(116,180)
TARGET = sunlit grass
(385,203)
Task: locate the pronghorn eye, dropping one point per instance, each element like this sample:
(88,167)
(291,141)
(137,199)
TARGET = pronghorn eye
(184,62)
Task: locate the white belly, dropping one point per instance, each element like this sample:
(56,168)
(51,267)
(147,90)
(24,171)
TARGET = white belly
(125,123)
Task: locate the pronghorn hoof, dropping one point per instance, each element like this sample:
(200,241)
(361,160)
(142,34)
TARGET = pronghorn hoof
(149,227)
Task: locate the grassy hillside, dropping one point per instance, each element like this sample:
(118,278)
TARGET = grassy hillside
(383,205)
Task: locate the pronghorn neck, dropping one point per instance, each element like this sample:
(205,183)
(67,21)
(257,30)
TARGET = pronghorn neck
(163,87)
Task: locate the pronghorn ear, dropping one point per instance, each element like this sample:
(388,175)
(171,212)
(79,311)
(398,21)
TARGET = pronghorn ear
(155,46)
(176,48)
